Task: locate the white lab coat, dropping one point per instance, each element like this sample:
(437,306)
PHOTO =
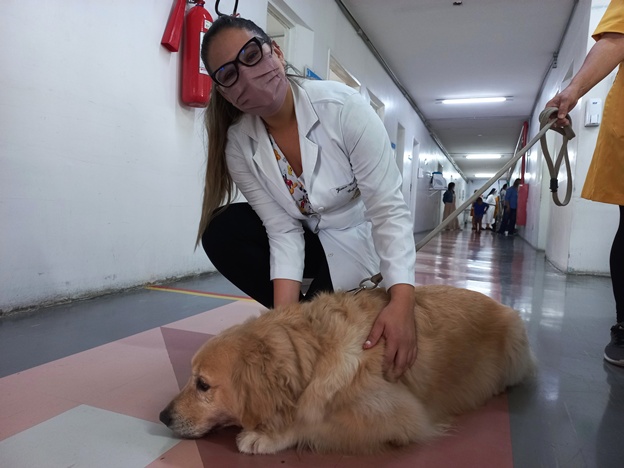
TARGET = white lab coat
(352,181)
(489,214)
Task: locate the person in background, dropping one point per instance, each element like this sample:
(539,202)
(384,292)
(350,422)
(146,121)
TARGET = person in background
(315,164)
(501,205)
(508,224)
(479,208)
(449,206)
(490,212)
(472,215)
(503,192)
(606,172)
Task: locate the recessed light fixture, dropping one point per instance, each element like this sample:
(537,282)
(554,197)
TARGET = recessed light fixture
(473,100)
(483,156)
(484,176)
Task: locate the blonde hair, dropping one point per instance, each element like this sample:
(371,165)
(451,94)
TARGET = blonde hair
(220,114)
(218,185)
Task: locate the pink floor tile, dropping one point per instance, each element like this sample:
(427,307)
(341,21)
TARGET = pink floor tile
(96,372)
(143,398)
(22,408)
(217,320)
(138,375)
(185,454)
(133,376)
(220,450)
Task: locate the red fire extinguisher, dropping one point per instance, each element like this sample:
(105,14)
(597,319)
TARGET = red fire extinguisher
(196,82)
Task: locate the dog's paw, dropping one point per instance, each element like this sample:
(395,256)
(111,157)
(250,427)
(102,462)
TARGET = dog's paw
(253,442)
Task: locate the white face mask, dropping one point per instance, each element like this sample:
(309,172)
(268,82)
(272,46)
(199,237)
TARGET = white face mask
(260,89)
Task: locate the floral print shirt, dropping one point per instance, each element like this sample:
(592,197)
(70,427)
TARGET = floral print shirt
(294,183)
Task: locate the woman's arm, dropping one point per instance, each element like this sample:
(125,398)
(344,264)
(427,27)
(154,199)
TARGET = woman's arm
(285,291)
(603,57)
(368,147)
(285,233)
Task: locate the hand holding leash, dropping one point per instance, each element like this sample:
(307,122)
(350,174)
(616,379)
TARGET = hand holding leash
(564,102)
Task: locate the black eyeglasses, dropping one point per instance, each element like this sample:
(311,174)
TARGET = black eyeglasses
(249,55)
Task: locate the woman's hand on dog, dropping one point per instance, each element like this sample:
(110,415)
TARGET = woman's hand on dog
(397,325)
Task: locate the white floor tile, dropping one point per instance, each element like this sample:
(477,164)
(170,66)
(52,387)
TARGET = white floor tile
(87,437)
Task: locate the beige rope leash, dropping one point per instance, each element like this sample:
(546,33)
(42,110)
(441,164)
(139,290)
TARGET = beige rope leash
(553,169)
(546,123)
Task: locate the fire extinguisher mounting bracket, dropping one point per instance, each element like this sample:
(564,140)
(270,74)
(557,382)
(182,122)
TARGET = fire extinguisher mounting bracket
(226,14)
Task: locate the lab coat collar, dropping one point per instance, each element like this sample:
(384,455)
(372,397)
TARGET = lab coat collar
(307,119)
(306,115)
(253,126)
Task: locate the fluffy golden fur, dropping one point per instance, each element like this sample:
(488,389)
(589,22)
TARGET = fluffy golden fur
(297,376)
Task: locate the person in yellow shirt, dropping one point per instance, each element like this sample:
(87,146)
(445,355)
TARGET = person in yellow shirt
(604,181)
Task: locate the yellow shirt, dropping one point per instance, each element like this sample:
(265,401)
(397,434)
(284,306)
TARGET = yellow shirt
(605,178)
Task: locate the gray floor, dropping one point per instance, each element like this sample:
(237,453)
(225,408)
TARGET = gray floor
(572,416)
(32,338)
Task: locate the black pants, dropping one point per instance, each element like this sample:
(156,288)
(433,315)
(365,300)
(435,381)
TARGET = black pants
(509,221)
(616,262)
(236,243)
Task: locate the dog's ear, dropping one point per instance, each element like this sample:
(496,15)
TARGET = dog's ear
(266,390)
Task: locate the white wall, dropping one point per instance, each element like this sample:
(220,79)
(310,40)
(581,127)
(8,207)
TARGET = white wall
(100,165)
(427,202)
(577,238)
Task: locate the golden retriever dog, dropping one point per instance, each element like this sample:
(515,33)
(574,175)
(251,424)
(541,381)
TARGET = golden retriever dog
(297,376)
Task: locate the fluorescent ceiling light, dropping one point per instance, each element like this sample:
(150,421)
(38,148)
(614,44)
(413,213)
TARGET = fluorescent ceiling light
(473,100)
(483,156)
(484,176)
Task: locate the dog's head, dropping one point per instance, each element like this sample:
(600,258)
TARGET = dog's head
(248,376)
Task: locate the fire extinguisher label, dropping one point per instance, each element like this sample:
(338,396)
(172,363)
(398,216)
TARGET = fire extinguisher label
(202,68)
(207,24)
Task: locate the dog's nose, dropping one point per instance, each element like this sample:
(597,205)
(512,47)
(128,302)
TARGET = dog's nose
(165,417)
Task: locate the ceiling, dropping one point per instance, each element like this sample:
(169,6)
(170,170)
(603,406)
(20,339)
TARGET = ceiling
(481,48)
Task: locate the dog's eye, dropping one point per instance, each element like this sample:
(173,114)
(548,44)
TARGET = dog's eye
(202,386)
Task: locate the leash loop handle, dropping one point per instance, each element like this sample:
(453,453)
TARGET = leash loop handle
(547,120)
(368,283)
